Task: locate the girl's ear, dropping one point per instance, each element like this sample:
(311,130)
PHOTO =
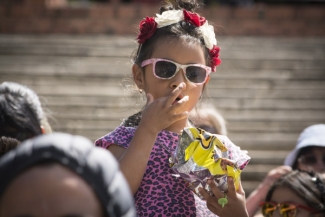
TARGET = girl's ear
(138,76)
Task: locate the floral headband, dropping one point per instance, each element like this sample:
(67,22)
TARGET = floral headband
(149,25)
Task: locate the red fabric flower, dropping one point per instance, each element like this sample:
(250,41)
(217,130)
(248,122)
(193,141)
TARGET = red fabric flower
(215,60)
(193,18)
(147,27)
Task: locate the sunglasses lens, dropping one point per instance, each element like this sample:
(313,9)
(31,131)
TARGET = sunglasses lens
(165,69)
(288,210)
(268,209)
(196,74)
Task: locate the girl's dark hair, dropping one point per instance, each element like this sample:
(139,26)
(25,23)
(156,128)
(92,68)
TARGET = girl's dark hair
(184,30)
(7,144)
(308,186)
(21,114)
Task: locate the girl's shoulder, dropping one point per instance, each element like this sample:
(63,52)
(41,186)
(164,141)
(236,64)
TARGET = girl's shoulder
(121,136)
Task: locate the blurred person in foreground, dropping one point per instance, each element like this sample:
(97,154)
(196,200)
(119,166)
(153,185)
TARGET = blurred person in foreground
(309,155)
(62,175)
(296,194)
(21,115)
(7,144)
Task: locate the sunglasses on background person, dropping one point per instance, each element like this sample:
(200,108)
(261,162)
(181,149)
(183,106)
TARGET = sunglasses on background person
(167,69)
(286,209)
(310,159)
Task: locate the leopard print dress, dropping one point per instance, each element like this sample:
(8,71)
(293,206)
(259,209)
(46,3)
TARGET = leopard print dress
(161,193)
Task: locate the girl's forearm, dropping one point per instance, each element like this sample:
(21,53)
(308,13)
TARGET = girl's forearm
(257,196)
(134,161)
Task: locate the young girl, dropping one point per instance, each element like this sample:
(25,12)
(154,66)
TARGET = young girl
(176,54)
(296,194)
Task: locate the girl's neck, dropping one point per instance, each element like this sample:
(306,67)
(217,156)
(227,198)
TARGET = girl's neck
(178,126)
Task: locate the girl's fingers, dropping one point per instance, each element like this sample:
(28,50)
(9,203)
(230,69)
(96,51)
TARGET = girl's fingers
(169,106)
(175,93)
(181,116)
(215,190)
(212,207)
(241,189)
(204,193)
(178,107)
(231,187)
(210,201)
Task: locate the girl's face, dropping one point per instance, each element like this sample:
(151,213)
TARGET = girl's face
(180,52)
(282,195)
(50,190)
(313,160)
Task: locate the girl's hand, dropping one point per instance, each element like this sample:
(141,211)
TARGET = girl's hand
(236,200)
(275,174)
(160,113)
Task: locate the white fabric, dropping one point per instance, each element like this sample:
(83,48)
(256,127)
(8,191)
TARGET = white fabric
(311,136)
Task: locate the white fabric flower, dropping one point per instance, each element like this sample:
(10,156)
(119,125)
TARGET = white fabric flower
(208,35)
(169,17)
(174,16)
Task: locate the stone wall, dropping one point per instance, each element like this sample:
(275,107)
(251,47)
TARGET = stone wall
(56,16)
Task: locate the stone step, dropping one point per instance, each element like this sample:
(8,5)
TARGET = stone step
(104,66)
(269,157)
(123,46)
(256,172)
(233,42)
(221,103)
(261,53)
(265,145)
(212,92)
(88,101)
(216,82)
(249,186)
(233,127)
(230,115)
